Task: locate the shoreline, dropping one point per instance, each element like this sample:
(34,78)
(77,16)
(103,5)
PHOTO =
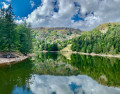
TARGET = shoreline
(102,55)
(19,58)
(82,53)
(94,54)
(9,61)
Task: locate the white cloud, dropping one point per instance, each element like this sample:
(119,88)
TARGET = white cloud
(94,12)
(19,21)
(32,3)
(8,0)
(68,85)
(5,5)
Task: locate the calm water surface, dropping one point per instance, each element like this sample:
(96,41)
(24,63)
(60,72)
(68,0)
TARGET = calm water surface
(55,73)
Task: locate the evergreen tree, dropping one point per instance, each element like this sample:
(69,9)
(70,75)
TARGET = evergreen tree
(25,37)
(13,37)
(8,33)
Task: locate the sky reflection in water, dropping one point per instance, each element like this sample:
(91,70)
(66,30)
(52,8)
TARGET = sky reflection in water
(80,84)
(35,76)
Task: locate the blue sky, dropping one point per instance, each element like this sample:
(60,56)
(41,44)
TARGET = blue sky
(22,8)
(82,14)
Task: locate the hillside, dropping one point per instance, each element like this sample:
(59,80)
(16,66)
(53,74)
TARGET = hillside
(53,38)
(55,34)
(103,28)
(103,39)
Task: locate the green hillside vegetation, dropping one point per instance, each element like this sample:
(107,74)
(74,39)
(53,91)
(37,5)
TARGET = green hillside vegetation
(103,39)
(53,39)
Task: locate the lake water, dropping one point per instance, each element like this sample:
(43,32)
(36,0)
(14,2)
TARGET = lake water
(55,73)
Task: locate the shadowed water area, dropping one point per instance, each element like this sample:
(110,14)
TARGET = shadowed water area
(55,73)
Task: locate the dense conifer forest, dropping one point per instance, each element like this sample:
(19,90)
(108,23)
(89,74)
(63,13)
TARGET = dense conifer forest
(103,39)
(14,37)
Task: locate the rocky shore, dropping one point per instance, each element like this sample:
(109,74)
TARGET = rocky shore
(8,61)
(16,57)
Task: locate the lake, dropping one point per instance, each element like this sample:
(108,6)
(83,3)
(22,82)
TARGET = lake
(66,73)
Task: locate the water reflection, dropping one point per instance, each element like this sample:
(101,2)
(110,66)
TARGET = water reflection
(53,64)
(104,70)
(15,76)
(80,84)
(34,75)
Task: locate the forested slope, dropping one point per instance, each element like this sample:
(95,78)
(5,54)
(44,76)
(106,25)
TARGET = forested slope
(103,39)
(53,39)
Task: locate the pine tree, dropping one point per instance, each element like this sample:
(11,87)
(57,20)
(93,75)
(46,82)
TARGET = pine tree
(25,38)
(11,35)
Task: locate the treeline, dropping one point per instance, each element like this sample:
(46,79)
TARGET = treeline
(40,45)
(14,37)
(49,47)
(97,42)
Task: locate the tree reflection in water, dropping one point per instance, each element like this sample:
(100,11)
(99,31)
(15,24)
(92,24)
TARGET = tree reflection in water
(18,78)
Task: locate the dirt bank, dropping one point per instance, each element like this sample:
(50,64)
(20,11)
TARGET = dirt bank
(8,61)
(16,57)
(103,55)
(92,54)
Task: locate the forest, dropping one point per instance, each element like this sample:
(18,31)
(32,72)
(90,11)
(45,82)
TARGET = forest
(104,39)
(53,39)
(97,41)
(14,37)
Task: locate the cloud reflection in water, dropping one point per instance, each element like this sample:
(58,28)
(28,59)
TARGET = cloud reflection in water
(80,84)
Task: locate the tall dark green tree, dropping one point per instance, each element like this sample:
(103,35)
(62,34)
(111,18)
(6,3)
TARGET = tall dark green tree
(10,36)
(13,37)
(25,37)
(2,28)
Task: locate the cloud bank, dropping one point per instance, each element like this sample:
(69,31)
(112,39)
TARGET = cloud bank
(82,14)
